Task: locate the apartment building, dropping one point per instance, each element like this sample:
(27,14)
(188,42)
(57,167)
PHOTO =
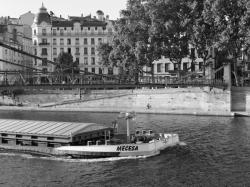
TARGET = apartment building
(16,35)
(79,36)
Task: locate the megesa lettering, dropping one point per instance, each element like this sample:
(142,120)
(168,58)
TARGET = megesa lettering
(127,148)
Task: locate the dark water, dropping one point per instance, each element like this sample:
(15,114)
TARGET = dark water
(217,154)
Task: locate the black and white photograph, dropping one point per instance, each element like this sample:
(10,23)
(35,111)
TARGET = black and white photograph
(125,93)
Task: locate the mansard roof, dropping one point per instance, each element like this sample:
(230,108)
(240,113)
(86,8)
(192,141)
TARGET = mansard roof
(84,22)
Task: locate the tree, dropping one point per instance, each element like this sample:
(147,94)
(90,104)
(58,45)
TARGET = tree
(130,46)
(171,28)
(66,65)
(232,22)
(104,50)
(203,31)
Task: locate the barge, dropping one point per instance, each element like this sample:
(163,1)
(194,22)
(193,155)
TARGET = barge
(81,140)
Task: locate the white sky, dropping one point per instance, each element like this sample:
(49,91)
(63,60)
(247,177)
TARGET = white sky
(14,8)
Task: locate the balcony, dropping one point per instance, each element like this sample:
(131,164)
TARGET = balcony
(43,43)
(77,53)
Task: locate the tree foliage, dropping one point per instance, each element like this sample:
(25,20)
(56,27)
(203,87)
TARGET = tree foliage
(66,64)
(150,29)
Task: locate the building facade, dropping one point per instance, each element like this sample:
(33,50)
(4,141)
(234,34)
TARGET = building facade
(79,36)
(165,68)
(17,35)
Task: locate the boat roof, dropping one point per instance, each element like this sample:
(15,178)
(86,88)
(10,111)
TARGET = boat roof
(47,128)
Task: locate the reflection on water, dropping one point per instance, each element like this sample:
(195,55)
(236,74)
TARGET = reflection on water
(216,154)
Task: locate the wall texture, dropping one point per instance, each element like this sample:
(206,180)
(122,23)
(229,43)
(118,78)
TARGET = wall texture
(204,101)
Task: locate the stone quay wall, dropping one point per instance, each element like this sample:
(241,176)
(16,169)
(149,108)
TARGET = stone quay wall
(203,101)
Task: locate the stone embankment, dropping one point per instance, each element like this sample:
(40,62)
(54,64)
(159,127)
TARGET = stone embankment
(194,101)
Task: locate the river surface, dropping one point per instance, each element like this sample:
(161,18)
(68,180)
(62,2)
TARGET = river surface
(217,154)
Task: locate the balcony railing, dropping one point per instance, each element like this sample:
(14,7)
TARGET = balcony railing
(77,53)
(44,43)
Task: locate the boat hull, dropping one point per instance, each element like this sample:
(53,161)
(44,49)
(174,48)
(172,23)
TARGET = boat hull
(122,150)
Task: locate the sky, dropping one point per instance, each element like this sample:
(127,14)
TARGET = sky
(15,8)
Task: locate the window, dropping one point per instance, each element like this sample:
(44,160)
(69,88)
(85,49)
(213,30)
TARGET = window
(100,71)
(35,42)
(35,51)
(44,62)
(93,70)
(110,71)
(92,41)
(175,66)
(93,61)
(167,67)
(77,41)
(61,50)
(44,51)
(61,32)
(69,50)
(54,51)
(158,68)
(92,51)
(34,31)
(109,30)
(185,66)
(50,138)
(86,60)
(99,40)
(54,59)
(44,32)
(77,51)
(54,32)
(85,41)
(44,40)
(86,69)
(69,41)
(85,50)
(54,41)
(61,41)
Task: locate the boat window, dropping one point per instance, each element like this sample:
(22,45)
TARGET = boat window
(150,132)
(144,132)
(137,132)
(50,138)
(19,136)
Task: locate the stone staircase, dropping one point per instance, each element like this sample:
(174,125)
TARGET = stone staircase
(238,98)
